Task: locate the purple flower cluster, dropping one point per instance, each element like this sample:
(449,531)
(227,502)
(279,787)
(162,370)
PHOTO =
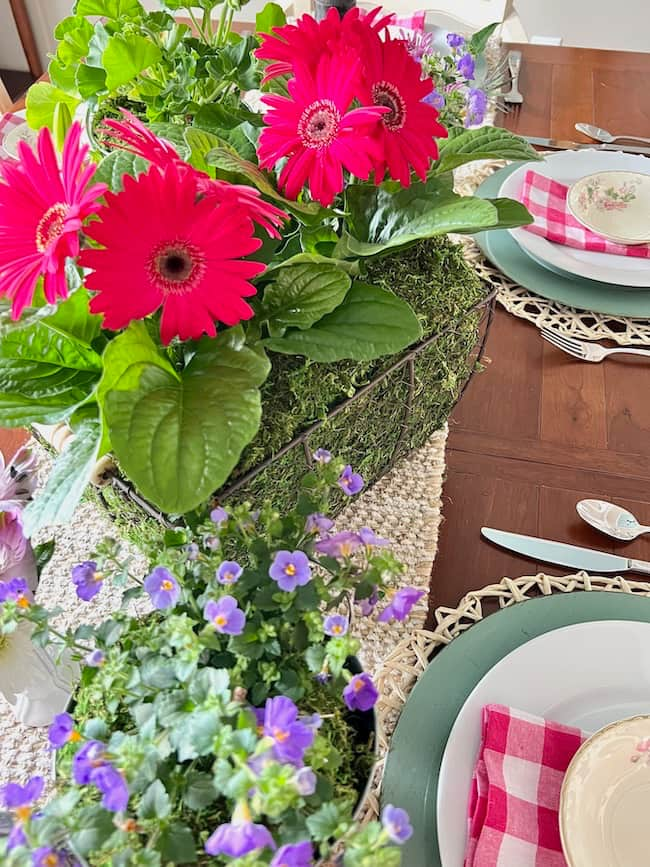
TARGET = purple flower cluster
(14,590)
(95,658)
(163,589)
(87,580)
(290,569)
(465,65)
(318,524)
(455,40)
(62,731)
(350,482)
(90,766)
(240,836)
(218,516)
(291,737)
(476,106)
(361,693)
(13,796)
(401,605)
(294,855)
(396,823)
(336,625)
(225,615)
(322,456)
(345,543)
(435,99)
(368,605)
(229,572)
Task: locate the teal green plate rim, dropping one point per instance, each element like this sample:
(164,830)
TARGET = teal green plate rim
(418,743)
(504,252)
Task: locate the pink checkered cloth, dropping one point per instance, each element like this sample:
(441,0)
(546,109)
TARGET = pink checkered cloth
(546,201)
(8,122)
(515,795)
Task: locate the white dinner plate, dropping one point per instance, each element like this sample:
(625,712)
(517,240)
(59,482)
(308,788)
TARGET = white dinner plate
(587,675)
(568,167)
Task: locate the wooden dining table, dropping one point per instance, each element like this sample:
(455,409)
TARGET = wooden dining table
(537,430)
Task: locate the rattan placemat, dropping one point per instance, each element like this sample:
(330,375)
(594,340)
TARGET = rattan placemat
(403,666)
(525,304)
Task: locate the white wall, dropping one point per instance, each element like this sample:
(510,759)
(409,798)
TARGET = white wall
(622,25)
(11,51)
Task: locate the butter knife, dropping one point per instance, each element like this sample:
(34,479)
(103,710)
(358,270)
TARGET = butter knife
(561,145)
(564,555)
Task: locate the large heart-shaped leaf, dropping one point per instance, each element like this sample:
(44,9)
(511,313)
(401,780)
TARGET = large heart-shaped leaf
(41,101)
(112,169)
(271,16)
(57,502)
(303,293)
(126,56)
(179,437)
(110,8)
(483,143)
(370,322)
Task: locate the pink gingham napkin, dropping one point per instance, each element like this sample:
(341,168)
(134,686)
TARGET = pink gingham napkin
(546,201)
(8,122)
(515,795)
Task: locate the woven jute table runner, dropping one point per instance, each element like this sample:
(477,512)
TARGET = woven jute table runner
(403,666)
(542,312)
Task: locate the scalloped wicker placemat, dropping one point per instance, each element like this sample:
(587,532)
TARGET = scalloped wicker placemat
(584,324)
(403,666)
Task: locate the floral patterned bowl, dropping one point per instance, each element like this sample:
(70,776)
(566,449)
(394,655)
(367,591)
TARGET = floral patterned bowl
(605,799)
(615,205)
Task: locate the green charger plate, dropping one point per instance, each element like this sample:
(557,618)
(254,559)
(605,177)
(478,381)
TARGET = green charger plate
(419,741)
(502,249)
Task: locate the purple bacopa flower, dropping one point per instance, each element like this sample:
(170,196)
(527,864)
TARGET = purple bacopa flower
(112,785)
(319,524)
(294,855)
(218,516)
(225,616)
(322,456)
(87,580)
(401,605)
(340,545)
(396,823)
(290,569)
(465,65)
(371,540)
(305,781)
(86,761)
(162,587)
(435,99)
(13,590)
(476,106)
(229,572)
(336,625)
(14,796)
(367,606)
(455,40)
(360,693)
(192,551)
(45,856)
(62,731)
(291,738)
(240,836)
(16,837)
(350,483)
(95,658)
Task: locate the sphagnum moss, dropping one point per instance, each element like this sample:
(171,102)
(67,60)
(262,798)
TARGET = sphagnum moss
(374,430)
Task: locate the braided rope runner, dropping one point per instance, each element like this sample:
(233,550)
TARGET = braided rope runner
(404,665)
(542,312)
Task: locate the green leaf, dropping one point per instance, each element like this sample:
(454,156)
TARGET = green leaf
(510,214)
(370,322)
(110,8)
(57,502)
(330,821)
(228,161)
(74,34)
(127,56)
(200,791)
(112,169)
(179,438)
(43,554)
(200,144)
(62,76)
(479,40)
(302,294)
(73,316)
(383,217)
(482,143)
(90,80)
(155,803)
(176,844)
(42,99)
(173,133)
(271,16)
(97,825)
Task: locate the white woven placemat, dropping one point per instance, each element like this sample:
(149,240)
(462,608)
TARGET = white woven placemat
(584,324)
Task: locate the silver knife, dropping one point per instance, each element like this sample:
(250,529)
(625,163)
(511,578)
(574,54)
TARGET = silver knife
(560,145)
(564,555)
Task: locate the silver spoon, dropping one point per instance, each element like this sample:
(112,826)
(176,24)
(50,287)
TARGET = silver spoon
(606,137)
(611,519)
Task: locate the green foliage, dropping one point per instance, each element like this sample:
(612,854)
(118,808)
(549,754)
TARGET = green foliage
(42,101)
(271,16)
(115,166)
(127,56)
(484,143)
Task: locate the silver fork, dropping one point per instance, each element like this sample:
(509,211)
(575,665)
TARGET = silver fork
(586,351)
(513,96)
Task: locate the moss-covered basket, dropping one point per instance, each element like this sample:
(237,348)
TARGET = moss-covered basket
(369,413)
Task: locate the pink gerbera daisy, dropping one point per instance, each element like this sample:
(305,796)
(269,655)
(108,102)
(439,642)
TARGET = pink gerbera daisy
(185,256)
(42,208)
(408,131)
(307,40)
(318,132)
(132,135)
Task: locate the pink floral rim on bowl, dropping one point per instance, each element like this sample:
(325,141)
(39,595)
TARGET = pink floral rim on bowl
(615,205)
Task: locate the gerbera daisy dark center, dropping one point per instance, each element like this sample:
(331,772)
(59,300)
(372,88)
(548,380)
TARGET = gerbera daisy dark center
(50,226)
(319,124)
(386,94)
(176,267)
